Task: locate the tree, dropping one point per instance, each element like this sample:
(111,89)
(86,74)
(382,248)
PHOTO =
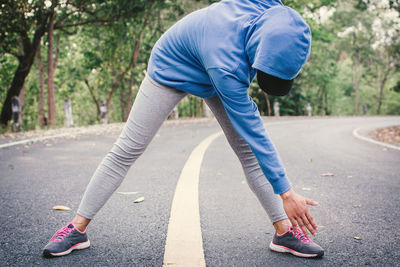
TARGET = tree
(21,17)
(17,20)
(386,45)
(41,87)
(50,69)
(355,31)
(116,58)
(387,60)
(98,40)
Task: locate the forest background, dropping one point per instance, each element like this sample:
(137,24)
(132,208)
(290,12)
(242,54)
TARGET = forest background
(94,51)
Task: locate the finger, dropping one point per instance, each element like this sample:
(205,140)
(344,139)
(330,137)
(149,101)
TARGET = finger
(303,226)
(308,225)
(311,202)
(294,224)
(311,220)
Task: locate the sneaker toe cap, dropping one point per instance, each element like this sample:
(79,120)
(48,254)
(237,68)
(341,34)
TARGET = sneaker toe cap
(51,247)
(316,249)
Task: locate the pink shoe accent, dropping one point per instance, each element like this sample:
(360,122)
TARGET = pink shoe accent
(77,246)
(62,233)
(279,248)
(300,235)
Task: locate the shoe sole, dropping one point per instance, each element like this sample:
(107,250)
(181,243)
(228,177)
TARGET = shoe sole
(78,246)
(284,249)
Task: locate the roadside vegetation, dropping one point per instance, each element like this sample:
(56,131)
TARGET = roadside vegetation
(94,53)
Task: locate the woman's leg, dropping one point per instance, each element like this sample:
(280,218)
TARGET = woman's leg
(256,179)
(153,104)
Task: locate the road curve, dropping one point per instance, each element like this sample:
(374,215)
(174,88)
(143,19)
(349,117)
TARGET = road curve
(361,199)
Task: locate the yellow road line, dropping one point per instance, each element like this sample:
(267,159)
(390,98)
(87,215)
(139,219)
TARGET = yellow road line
(184,244)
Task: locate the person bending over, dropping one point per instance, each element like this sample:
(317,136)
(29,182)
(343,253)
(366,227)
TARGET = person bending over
(215,53)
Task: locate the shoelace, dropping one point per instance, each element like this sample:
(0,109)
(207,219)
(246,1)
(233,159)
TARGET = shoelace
(300,235)
(61,234)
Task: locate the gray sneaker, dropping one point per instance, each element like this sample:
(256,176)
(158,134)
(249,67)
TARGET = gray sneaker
(297,244)
(65,240)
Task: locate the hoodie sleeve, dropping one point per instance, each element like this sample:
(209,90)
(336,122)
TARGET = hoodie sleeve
(246,119)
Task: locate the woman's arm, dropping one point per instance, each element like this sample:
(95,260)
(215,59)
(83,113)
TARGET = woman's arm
(246,119)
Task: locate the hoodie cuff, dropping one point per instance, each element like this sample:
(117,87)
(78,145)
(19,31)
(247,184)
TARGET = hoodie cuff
(281,185)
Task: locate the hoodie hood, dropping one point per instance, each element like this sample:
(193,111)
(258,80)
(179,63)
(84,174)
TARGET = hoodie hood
(279,42)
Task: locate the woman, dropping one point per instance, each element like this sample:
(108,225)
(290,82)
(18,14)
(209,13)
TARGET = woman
(215,53)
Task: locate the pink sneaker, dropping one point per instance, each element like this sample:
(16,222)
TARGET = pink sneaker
(297,244)
(65,240)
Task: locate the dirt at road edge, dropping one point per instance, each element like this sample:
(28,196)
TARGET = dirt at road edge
(389,135)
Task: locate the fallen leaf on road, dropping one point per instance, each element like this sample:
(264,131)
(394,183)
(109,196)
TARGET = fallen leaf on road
(357,206)
(11,166)
(311,160)
(140,199)
(326,174)
(61,208)
(349,176)
(128,193)
(306,189)
(219,174)
(357,238)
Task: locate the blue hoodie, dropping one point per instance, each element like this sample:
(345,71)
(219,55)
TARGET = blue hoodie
(218,50)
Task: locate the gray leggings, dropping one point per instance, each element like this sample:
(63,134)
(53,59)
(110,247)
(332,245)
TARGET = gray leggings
(153,104)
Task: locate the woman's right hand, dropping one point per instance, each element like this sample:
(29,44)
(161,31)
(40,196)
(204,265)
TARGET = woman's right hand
(296,209)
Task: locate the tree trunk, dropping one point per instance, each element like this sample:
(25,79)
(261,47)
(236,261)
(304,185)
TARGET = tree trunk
(25,62)
(357,91)
(192,106)
(123,104)
(326,107)
(357,77)
(198,107)
(127,101)
(381,86)
(268,103)
(41,87)
(130,95)
(21,103)
(55,63)
(50,76)
(95,100)
(15,89)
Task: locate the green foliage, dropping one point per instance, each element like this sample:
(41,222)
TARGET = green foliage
(396,88)
(97,41)
(190,106)
(395,4)
(311,5)
(8,65)
(18,17)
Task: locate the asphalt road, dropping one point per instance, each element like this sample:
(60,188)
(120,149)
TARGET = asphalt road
(361,199)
